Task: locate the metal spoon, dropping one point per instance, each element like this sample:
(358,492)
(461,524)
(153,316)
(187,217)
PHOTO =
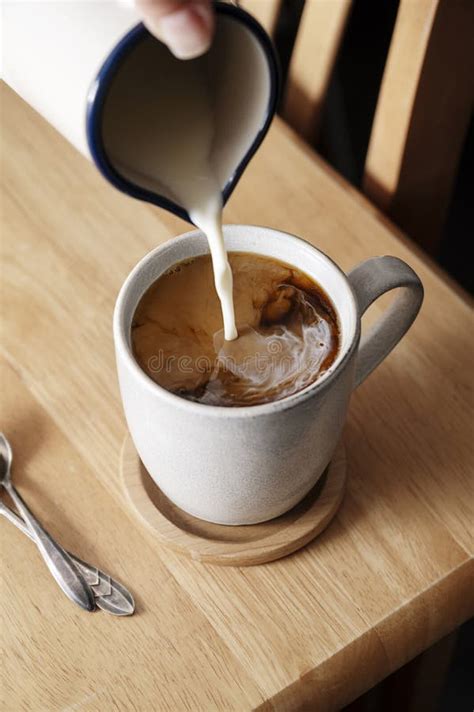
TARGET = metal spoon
(110,595)
(70,580)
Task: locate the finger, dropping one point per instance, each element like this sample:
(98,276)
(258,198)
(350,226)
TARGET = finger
(185,26)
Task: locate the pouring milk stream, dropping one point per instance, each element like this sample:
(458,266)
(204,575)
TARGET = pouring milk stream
(173,149)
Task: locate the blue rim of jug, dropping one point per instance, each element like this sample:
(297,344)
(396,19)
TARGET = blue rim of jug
(101,85)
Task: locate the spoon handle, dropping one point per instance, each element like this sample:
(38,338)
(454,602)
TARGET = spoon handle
(69,579)
(118,602)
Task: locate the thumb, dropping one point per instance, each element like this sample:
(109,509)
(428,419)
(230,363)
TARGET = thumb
(185,26)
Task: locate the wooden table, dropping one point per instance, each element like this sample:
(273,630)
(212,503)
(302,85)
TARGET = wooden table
(388,578)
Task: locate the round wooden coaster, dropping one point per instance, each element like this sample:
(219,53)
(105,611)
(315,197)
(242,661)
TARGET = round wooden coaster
(231,545)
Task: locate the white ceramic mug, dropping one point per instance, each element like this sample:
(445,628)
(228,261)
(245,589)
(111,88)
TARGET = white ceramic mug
(248,464)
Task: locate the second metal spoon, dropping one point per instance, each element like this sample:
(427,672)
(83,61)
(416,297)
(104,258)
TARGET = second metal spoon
(115,599)
(70,580)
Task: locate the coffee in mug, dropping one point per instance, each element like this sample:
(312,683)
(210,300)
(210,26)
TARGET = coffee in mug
(288,332)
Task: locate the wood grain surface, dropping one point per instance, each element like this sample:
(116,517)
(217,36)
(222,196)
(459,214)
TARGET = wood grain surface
(222,545)
(393,572)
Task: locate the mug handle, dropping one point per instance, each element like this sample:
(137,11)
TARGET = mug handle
(369,281)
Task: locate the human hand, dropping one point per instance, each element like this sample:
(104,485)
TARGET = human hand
(185,26)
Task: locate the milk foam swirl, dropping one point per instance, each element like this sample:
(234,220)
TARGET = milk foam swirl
(261,365)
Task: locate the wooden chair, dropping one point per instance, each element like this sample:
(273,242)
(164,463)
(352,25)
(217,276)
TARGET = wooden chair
(423,109)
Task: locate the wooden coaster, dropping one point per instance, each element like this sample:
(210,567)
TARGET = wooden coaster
(231,545)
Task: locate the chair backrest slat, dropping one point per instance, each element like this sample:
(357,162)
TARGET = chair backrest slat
(422,115)
(265,11)
(319,35)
